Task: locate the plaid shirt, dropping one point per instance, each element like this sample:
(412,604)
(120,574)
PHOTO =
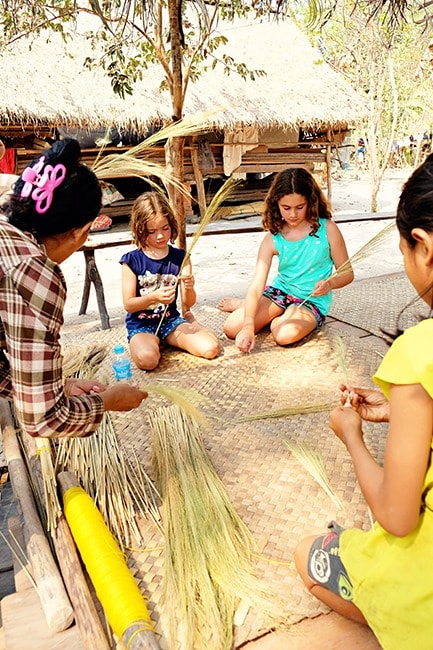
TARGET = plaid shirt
(32,298)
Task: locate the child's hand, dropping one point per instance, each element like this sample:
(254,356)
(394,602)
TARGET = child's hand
(245,339)
(188,281)
(345,423)
(321,288)
(165,295)
(371,405)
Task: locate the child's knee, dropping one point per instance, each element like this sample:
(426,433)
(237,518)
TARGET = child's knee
(231,328)
(212,350)
(147,359)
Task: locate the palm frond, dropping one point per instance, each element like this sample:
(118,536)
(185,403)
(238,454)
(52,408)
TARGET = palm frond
(312,461)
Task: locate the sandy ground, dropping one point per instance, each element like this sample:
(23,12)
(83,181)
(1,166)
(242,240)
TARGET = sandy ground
(223,264)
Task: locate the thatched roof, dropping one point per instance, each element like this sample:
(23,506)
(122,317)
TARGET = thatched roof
(48,85)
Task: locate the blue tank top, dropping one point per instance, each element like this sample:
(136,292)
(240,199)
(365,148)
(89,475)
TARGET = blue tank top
(302,263)
(151,274)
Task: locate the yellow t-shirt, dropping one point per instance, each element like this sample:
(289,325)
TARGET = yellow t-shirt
(392,576)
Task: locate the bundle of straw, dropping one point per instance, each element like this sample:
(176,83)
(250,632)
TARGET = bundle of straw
(208,548)
(119,486)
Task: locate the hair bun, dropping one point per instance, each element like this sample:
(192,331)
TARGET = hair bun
(66,151)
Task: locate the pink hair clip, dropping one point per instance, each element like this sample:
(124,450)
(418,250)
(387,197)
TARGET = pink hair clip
(44,179)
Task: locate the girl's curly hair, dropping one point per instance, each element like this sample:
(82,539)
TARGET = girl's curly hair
(295,181)
(146,207)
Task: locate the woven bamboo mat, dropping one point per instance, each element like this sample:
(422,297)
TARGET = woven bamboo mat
(375,304)
(276,497)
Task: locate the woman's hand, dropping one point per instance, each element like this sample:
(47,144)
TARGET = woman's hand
(74,387)
(122,397)
(371,405)
(245,339)
(346,423)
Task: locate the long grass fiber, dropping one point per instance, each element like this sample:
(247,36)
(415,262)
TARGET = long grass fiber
(136,161)
(208,566)
(312,461)
(210,214)
(289,410)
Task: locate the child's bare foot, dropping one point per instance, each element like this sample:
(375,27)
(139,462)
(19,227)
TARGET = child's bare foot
(230,304)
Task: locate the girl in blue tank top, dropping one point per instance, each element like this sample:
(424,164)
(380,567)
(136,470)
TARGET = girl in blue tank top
(154,279)
(308,245)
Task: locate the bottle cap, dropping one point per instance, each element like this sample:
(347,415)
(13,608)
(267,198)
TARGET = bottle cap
(118,349)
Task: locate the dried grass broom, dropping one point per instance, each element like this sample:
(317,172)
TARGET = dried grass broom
(208,566)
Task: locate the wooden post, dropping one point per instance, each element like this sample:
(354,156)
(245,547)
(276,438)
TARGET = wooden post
(87,619)
(328,164)
(54,599)
(201,195)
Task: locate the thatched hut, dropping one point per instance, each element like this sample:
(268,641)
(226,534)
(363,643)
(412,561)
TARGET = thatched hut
(291,116)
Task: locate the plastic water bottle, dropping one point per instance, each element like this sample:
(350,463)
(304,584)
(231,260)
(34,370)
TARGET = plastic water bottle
(121,364)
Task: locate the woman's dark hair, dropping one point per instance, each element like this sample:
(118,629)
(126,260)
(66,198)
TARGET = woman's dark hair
(74,199)
(415,206)
(146,207)
(414,210)
(295,180)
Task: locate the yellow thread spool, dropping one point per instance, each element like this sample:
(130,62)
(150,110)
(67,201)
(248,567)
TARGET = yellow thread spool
(114,584)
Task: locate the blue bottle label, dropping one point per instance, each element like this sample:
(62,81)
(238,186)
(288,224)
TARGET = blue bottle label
(122,369)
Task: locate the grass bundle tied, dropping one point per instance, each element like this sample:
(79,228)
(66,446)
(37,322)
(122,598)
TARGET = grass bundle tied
(312,461)
(208,568)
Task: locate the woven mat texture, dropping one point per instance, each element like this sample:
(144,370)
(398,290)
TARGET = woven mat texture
(376,303)
(273,493)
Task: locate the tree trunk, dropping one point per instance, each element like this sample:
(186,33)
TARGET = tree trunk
(174,163)
(174,146)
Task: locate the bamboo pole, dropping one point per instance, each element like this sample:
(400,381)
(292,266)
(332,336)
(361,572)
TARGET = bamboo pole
(87,619)
(138,634)
(54,599)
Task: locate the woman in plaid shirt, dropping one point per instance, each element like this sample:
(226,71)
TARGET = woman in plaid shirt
(46,218)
